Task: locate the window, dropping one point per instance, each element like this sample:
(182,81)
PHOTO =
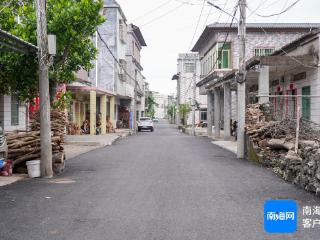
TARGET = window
(292,104)
(300,76)
(14,110)
(210,61)
(203,115)
(189,67)
(122,70)
(263,51)
(279,105)
(224,56)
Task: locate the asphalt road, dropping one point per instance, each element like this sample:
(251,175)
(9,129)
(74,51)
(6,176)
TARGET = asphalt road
(151,186)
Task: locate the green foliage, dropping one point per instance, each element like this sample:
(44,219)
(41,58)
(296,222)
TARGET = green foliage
(172,111)
(150,105)
(72,21)
(184,110)
(63,101)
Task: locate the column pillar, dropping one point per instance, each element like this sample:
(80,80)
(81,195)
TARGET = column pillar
(74,120)
(84,111)
(216,114)
(241,120)
(77,113)
(103,110)
(93,112)
(263,84)
(81,113)
(209,113)
(112,111)
(227,111)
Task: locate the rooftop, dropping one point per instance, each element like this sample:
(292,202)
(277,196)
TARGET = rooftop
(211,28)
(16,44)
(139,35)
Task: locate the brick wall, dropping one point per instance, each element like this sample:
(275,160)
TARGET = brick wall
(258,40)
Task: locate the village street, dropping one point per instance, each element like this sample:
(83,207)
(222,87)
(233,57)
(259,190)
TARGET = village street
(160,185)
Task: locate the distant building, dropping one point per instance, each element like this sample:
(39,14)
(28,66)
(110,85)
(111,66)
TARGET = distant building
(135,42)
(161,107)
(219,60)
(291,76)
(108,90)
(189,69)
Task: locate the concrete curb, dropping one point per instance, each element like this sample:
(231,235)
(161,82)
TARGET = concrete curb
(4,181)
(225,145)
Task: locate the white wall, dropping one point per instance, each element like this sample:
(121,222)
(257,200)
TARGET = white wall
(162,101)
(312,79)
(5,114)
(186,84)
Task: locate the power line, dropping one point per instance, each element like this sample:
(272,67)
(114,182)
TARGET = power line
(152,10)
(225,40)
(119,64)
(209,13)
(284,6)
(276,14)
(189,3)
(163,15)
(262,2)
(195,31)
(293,58)
(6,5)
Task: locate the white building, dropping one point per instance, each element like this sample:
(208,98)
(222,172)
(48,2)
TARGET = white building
(109,88)
(189,69)
(14,113)
(291,76)
(135,42)
(219,63)
(161,107)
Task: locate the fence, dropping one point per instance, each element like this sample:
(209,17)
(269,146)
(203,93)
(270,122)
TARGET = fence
(293,117)
(283,107)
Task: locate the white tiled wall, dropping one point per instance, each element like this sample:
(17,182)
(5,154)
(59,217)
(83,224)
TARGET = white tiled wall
(5,115)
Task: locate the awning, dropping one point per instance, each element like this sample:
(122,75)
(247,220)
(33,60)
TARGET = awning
(16,44)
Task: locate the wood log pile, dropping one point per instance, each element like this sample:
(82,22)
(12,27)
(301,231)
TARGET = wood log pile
(274,144)
(25,146)
(73,129)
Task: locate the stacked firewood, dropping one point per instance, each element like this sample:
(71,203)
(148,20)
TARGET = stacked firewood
(25,146)
(73,129)
(274,146)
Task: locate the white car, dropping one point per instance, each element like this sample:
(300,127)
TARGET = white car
(145,123)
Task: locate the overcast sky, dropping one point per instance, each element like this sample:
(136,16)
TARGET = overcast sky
(168,27)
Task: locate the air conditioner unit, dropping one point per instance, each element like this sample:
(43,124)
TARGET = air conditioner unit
(122,77)
(122,74)
(122,31)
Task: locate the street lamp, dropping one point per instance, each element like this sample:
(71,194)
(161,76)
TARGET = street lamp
(220,9)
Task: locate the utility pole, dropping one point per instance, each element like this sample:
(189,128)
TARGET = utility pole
(194,88)
(45,122)
(241,85)
(134,115)
(178,101)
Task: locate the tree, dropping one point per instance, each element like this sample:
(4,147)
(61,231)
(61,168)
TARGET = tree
(150,105)
(74,22)
(185,109)
(172,112)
